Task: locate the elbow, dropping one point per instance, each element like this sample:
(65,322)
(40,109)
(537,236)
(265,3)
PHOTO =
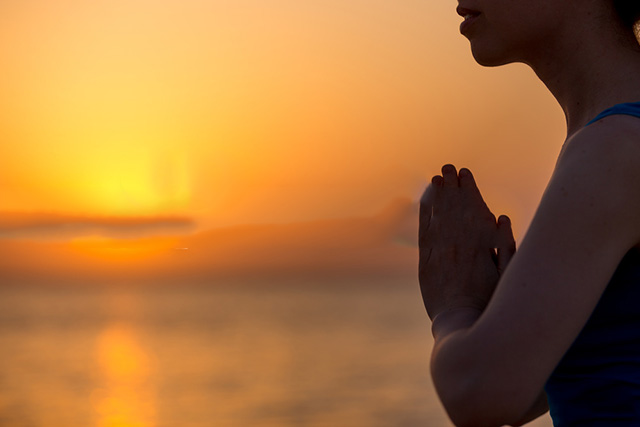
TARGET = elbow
(469,416)
(477,401)
(476,410)
(478,389)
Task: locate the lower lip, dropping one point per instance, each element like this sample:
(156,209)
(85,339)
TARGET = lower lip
(467,23)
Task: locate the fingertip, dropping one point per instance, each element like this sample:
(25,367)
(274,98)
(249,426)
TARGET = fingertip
(427,195)
(450,175)
(505,233)
(448,168)
(504,220)
(466,178)
(464,172)
(437,180)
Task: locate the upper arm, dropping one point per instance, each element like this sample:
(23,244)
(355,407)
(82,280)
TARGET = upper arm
(589,217)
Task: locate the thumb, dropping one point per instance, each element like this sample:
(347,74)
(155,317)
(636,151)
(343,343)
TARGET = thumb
(426,211)
(506,244)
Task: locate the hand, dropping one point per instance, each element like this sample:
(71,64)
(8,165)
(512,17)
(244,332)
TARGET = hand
(458,265)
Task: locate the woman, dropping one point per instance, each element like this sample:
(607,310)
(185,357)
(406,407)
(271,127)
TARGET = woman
(562,321)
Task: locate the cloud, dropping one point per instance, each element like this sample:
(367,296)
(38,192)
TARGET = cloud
(379,246)
(42,225)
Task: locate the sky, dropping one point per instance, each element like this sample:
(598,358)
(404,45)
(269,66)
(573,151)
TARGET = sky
(134,127)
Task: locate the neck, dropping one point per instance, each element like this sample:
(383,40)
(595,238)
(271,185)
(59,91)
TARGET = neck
(588,75)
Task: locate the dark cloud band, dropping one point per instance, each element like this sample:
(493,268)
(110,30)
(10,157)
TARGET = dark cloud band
(52,225)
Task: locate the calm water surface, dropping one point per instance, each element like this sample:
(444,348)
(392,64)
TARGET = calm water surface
(319,354)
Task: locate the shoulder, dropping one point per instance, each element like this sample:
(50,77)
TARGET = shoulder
(591,206)
(598,171)
(611,139)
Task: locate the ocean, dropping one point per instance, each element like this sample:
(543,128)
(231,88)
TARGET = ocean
(271,355)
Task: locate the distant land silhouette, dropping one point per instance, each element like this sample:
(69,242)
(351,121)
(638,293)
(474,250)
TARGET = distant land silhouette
(379,246)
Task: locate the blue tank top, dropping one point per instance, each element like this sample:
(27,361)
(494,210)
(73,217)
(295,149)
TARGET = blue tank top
(597,382)
(629,109)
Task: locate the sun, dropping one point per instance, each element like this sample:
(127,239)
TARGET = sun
(136,182)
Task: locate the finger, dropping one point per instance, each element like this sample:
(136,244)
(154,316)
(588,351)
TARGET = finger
(424,254)
(506,244)
(437,183)
(466,178)
(426,211)
(468,183)
(450,176)
(469,186)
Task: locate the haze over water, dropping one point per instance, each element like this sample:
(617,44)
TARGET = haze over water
(314,354)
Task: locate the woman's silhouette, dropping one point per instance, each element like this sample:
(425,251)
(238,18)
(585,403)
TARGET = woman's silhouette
(558,320)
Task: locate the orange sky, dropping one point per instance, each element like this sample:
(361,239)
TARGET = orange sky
(222,112)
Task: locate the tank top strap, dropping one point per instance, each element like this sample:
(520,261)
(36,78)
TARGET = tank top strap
(629,109)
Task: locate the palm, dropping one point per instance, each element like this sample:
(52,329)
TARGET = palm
(458,233)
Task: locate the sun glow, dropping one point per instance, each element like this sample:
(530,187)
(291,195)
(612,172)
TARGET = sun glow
(132,250)
(229,113)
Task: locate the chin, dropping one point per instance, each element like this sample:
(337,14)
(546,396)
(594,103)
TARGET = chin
(490,57)
(491,61)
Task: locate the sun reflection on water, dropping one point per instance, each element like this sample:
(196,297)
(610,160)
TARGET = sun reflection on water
(126,396)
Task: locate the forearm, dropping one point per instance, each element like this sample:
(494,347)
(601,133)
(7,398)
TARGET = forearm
(452,367)
(469,378)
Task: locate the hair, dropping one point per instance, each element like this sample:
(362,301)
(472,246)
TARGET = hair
(628,11)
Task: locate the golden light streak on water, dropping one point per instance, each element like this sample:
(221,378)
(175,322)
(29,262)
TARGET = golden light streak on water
(126,397)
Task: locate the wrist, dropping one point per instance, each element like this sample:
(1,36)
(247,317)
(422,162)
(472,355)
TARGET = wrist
(448,321)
